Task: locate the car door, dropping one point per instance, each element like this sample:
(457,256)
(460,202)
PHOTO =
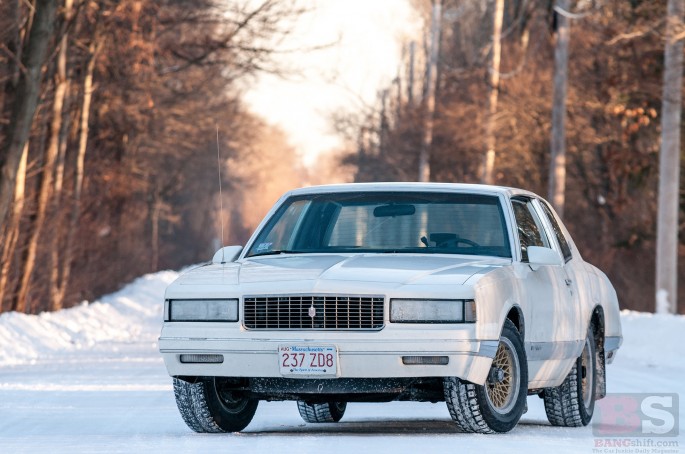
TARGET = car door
(573,274)
(544,291)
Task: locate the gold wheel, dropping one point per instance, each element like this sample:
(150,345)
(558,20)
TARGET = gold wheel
(503,381)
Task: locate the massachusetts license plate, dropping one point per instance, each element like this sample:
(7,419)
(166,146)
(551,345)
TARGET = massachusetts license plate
(308,360)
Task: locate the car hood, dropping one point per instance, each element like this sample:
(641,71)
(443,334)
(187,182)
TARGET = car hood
(397,269)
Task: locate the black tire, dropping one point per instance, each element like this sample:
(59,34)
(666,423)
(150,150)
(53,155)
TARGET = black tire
(572,403)
(206,408)
(496,406)
(325,412)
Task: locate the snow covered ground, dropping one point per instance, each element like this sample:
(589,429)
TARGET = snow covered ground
(90,379)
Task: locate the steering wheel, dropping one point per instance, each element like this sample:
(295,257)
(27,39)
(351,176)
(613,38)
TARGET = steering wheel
(454,242)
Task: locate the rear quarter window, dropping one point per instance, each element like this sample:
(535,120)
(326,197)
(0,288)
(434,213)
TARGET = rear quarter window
(561,239)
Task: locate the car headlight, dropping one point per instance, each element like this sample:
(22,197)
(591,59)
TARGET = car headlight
(204,310)
(432,311)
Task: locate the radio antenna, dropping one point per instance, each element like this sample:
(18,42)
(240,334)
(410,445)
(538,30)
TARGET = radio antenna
(221,198)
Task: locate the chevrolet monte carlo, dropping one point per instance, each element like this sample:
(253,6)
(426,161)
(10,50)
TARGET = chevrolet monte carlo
(469,294)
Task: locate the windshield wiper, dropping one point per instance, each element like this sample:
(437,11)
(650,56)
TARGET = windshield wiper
(274,252)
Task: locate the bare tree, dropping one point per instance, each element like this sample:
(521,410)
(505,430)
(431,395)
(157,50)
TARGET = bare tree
(46,187)
(58,290)
(10,234)
(410,74)
(26,100)
(56,146)
(669,163)
(493,89)
(431,81)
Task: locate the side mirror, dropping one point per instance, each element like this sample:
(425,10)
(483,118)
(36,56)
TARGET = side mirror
(539,256)
(227,254)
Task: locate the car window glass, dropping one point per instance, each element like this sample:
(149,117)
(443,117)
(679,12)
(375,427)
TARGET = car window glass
(530,229)
(280,236)
(397,222)
(563,244)
(357,226)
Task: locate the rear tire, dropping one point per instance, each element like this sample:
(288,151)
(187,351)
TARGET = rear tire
(325,412)
(496,406)
(207,408)
(572,403)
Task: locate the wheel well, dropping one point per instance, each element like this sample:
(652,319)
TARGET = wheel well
(516,318)
(597,326)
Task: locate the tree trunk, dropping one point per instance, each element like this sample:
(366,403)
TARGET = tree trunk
(94,49)
(669,164)
(11,232)
(45,188)
(57,290)
(15,44)
(431,79)
(25,101)
(155,210)
(410,76)
(54,148)
(383,125)
(493,88)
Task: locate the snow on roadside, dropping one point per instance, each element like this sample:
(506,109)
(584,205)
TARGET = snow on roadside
(132,313)
(652,338)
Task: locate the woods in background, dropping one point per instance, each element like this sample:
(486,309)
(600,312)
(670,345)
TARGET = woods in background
(615,75)
(108,139)
(109,110)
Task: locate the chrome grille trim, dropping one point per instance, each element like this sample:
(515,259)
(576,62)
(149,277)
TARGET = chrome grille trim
(333,312)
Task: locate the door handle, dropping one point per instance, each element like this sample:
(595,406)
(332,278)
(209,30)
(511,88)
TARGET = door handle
(568,282)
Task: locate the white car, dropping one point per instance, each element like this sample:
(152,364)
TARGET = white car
(469,294)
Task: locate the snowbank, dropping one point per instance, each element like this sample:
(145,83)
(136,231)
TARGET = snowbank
(133,313)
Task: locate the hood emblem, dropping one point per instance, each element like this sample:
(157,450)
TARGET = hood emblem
(312,311)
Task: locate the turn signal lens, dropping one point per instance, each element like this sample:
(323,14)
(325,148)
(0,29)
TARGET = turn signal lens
(201,358)
(426,360)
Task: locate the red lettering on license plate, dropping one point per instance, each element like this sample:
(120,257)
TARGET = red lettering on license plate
(307,360)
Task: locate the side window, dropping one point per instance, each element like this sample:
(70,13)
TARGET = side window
(530,229)
(563,243)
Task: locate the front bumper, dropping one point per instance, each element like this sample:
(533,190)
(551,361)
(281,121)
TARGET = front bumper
(361,354)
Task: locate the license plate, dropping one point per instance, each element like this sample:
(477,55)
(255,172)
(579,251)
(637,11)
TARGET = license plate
(308,360)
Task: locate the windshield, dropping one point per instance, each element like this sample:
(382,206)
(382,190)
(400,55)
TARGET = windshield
(386,223)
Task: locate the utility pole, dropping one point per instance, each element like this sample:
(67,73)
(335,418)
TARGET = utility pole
(493,88)
(669,164)
(431,79)
(557,169)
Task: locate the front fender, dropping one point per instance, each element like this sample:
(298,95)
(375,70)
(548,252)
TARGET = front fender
(496,294)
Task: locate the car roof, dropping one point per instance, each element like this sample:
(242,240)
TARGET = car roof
(411,186)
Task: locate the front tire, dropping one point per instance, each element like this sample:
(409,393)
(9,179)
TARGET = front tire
(572,403)
(206,407)
(323,412)
(496,406)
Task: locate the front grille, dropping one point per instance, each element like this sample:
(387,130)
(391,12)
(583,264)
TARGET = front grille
(333,312)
